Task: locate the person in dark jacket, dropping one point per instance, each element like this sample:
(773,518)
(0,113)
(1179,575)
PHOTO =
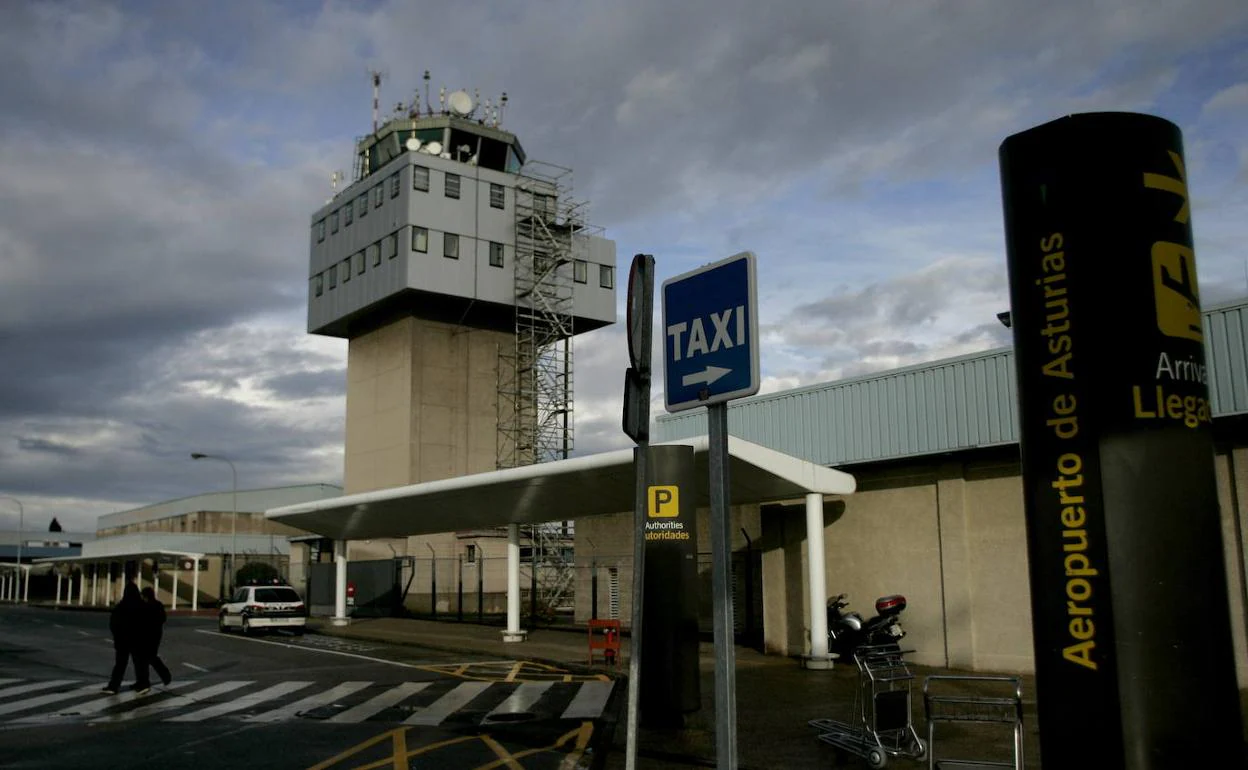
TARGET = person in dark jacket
(126,623)
(153,629)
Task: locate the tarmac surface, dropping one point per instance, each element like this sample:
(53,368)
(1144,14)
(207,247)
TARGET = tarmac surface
(776,700)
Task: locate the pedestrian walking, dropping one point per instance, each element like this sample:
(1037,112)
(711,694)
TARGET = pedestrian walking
(153,629)
(126,623)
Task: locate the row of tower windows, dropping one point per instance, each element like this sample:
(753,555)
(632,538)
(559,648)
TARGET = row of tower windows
(420,182)
(388,248)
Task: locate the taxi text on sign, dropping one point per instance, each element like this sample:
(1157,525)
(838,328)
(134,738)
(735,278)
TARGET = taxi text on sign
(710,334)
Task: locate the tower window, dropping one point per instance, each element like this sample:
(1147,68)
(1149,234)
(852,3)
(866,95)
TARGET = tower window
(606,276)
(320,231)
(420,178)
(420,239)
(580,271)
(344,267)
(496,196)
(450,245)
(379,196)
(318,284)
(452,185)
(333,222)
(348,213)
(470,554)
(394,185)
(359,262)
(332,275)
(390,246)
(361,203)
(496,254)
(374,254)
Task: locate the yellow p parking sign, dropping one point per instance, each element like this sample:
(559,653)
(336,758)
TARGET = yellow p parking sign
(664,502)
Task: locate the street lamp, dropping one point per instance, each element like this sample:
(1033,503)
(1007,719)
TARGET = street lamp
(233,517)
(21,525)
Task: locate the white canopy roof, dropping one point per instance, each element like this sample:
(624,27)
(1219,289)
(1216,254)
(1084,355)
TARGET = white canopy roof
(113,557)
(554,491)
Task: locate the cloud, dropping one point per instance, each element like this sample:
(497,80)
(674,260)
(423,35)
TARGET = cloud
(161,164)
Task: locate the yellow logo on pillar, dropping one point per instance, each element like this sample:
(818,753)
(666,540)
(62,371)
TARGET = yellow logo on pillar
(664,502)
(1174,291)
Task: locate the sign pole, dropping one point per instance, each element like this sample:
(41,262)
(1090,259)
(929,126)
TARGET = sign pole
(636,423)
(721,564)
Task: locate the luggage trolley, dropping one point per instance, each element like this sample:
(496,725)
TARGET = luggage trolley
(881,726)
(982,699)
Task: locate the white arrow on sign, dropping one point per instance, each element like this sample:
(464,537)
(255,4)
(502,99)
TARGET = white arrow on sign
(707,375)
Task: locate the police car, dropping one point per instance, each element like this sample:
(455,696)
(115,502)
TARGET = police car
(263,607)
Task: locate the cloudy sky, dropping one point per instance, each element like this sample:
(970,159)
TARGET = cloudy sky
(159,162)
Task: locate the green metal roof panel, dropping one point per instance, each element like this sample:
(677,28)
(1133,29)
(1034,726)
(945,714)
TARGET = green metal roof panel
(955,403)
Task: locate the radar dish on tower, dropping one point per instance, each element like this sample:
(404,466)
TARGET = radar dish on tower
(434,148)
(413,144)
(461,103)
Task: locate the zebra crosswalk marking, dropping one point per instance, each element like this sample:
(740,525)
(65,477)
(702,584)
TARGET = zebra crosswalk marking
(43,700)
(376,705)
(96,706)
(448,704)
(521,700)
(428,703)
(176,701)
(590,700)
(245,702)
(310,702)
(22,689)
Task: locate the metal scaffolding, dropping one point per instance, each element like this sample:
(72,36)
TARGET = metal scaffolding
(535,420)
(535,375)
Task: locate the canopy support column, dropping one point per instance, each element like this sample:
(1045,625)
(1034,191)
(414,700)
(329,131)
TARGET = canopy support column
(816,588)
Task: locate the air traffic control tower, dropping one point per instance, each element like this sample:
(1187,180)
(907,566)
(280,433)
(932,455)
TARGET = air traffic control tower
(459,271)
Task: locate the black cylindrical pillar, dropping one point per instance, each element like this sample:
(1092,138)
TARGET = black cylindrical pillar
(669,668)
(1134,662)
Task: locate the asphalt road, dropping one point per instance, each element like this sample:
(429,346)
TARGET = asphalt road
(282,701)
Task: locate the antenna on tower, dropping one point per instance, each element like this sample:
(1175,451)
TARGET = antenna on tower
(502,107)
(414,112)
(486,119)
(376,76)
(442,100)
(428,103)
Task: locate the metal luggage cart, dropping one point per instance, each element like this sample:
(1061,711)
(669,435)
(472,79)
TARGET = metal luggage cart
(881,725)
(980,699)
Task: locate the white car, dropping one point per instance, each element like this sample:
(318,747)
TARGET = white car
(264,607)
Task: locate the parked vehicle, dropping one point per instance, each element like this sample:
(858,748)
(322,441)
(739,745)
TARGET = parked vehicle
(256,608)
(847,631)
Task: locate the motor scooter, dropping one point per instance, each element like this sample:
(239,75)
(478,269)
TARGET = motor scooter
(847,631)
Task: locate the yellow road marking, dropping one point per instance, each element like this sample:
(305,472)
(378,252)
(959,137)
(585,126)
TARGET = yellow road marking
(355,750)
(505,757)
(511,677)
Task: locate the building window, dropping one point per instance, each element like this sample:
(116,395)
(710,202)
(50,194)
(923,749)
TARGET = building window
(606,276)
(333,222)
(420,239)
(452,185)
(332,275)
(470,554)
(320,231)
(450,245)
(580,271)
(496,196)
(496,254)
(344,267)
(394,185)
(319,284)
(374,254)
(420,178)
(361,203)
(391,246)
(359,262)
(348,213)
(379,195)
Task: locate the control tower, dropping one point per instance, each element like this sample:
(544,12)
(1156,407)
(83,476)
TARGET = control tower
(459,270)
